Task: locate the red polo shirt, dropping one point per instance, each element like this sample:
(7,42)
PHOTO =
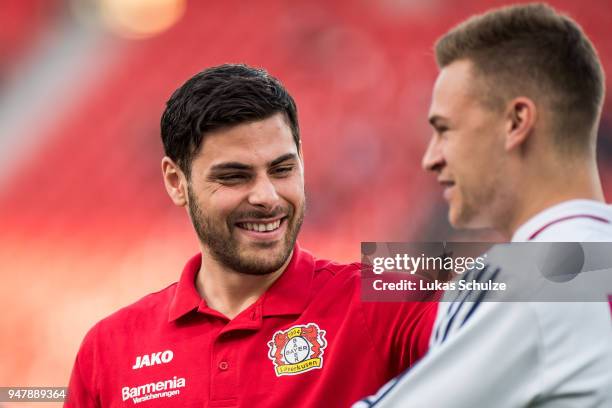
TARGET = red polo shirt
(308,341)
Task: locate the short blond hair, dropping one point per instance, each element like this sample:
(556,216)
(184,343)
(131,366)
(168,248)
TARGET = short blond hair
(532,50)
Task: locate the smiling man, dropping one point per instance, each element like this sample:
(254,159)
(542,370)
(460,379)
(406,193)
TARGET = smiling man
(247,211)
(254,321)
(515,112)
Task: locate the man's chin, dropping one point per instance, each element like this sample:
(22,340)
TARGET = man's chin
(260,267)
(453,218)
(462,219)
(458,218)
(264,260)
(261,249)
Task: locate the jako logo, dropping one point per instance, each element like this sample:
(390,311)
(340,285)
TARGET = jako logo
(161,357)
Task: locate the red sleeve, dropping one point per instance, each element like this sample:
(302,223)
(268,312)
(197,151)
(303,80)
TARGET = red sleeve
(400,330)
(82,388)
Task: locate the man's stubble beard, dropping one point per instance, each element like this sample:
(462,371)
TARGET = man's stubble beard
(225,248)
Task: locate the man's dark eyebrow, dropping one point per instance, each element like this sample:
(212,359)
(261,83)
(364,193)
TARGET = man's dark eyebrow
(230,166)
(241,166)
(283,158)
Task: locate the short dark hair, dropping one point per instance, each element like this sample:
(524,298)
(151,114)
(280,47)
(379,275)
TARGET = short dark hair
(220,97)
(531,50)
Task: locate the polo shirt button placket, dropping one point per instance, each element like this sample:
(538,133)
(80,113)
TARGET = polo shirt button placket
(224,378)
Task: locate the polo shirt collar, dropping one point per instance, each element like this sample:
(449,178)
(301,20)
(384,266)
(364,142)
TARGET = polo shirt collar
(288,294)
(186,297)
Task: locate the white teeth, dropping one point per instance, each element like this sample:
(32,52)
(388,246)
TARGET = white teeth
(270,226)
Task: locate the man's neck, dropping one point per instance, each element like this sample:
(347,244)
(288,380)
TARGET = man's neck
(536,195)
(230,292)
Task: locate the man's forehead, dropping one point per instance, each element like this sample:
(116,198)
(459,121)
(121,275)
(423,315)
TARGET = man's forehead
(453,89)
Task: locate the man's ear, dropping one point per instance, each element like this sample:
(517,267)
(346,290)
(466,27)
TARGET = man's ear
(521,118)
(175,181)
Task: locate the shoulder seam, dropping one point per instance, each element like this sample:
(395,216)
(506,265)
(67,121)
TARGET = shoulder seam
(137,302)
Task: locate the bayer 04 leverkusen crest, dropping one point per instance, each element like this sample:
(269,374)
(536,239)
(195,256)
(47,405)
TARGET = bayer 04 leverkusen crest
(297,349)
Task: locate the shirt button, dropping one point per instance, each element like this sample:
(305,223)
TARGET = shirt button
(223,365)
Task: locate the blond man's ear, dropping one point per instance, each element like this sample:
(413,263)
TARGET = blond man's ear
(521,119)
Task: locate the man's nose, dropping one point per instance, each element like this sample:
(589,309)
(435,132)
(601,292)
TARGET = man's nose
(264,194)
(433,159)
